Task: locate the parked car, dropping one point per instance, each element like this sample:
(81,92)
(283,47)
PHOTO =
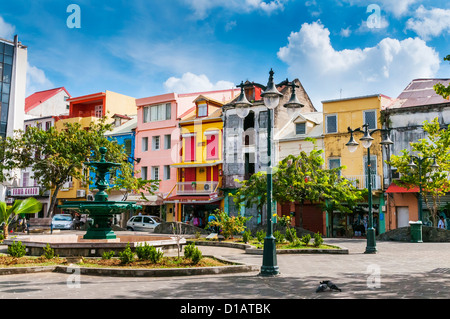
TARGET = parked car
(63,221)
(143,223)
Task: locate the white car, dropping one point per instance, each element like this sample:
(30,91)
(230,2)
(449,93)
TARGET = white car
(143,223)
(62,221)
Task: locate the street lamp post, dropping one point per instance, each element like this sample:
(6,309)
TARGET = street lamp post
(420,161)
(352,145)
(271,97)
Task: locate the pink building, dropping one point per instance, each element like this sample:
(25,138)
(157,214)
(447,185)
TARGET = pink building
(158,142)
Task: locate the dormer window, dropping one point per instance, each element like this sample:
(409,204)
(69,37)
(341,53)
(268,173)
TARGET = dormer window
(300,128)
(202,110)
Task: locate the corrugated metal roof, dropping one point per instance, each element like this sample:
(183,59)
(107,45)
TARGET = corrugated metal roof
(419,92)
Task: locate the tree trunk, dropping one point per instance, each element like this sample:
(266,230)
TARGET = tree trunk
(51,207)
(5,230)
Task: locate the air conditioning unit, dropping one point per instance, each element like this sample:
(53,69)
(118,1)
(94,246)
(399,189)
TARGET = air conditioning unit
(81,193)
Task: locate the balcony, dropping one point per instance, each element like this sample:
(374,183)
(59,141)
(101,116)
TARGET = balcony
(197,188)
(360,181)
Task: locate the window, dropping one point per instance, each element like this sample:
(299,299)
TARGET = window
(202,110)
(98,110)
(167,141)
(331,123)
(48,125)
(334,163)
(25,179)
(155,143)
(144,172)
(370,117)
(159,112)
(300,128)
(212,146)
(144,144)
(127,144)
(166,172)
(189,147)
(155,172)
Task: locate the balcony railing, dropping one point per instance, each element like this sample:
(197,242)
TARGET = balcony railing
(196,188)
(360,181)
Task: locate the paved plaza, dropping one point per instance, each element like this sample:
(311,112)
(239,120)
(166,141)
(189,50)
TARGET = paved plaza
(398,270)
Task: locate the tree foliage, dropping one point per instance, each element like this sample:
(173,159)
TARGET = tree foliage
(440,88)
(435,182)
(7,213)
(55,156)
(299,179)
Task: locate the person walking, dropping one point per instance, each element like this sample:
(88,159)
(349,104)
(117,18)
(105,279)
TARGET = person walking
(441,223)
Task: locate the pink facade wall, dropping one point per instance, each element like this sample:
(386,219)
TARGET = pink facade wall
(180,103)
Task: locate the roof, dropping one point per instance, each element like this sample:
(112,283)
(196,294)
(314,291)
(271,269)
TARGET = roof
(419,92)
(38,97)
(125,128)
(393,188)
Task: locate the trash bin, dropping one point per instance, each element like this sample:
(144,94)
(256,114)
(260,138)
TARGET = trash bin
(416,231)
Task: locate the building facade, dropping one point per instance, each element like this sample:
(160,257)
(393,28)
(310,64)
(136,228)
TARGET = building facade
(245,143)
(339,115)
(13,67)
(159,143)
(405,116)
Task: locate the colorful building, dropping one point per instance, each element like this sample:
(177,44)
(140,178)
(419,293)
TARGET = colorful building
(158,145)
(199,173)
(339,115)
(84,110)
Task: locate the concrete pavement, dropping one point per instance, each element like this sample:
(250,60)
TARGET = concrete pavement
(398,270)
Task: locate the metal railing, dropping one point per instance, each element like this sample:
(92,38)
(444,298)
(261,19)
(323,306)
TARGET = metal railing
(360,181)
(196,187)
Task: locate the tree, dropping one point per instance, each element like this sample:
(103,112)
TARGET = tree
(300,179)
(441,89)
(434,181)
(55,156)
(7,214)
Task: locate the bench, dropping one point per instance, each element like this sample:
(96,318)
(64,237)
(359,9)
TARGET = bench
(39,224)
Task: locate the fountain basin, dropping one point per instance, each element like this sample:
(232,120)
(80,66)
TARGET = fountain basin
(73,244)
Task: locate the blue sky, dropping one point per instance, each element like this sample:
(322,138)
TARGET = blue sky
(142,48)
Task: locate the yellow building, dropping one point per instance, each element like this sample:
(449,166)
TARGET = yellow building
(199,172)
(353,113)
(84,110)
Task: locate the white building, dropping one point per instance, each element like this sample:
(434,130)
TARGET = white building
(48,103)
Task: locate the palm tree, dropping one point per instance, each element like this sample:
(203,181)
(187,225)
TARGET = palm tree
(26,206)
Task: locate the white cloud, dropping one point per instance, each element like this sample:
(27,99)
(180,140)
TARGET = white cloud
(190,82)
(429,23)
(385,68)
(37,80)
(202,7)
(345,32)
(6,30)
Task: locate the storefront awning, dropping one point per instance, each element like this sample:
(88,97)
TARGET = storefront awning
(152,200)
(192,199)
(393,188)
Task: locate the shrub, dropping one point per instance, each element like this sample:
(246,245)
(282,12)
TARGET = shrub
(193,253)
(318,240)
(126,256)
(17,249)
(260,235)
(291,234)
(246,236)
(306,239)
(228,225)
(108,254)
(149,252)
(49,252)
(279,237)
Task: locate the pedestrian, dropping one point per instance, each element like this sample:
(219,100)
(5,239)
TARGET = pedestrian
(441,223)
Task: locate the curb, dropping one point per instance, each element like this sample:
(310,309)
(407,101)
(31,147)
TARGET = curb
(251,250)
(135,272)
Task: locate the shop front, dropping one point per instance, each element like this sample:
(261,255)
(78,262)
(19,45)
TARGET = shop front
(354,224)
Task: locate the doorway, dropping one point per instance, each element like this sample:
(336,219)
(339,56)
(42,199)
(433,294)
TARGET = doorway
(402,216)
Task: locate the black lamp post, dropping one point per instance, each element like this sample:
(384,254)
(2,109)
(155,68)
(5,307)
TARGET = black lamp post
(420,161)
(352,145)
(271,97)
